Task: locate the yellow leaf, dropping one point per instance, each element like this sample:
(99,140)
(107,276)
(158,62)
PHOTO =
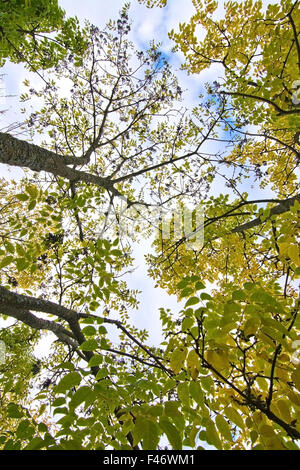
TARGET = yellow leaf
(218,358)
(251,326)
(294,397)
(282,373)
(193,364)
(177,359)
(223,427)
(274,443)
(212,434)
(234,416)
(283,247)
(257,417)
(194,373)
(284,357)
(193,435)
(284,409)
(192,359)
(296,377)
(266,430)
(293,252)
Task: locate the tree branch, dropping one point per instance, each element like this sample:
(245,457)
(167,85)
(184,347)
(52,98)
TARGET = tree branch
(282,207)
(260,98)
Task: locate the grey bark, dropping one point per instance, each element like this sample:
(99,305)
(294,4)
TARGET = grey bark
(25,316)
(16,152)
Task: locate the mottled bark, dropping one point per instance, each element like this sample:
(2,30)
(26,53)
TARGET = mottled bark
(16,152)
(25,316)
(21,301)
(19,306)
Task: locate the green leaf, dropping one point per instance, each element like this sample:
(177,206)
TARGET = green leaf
(196,392)
(183,283)
(35,444)
(156,410)
(116,253)
(171,432)
(102,373)
(192,301)
(249,286)
(150,435)
(183,393)
(207,383)
(6,261)
(20,250)
(11,445)
(147,431)
(96,360)
(68,381)
(297,271)
(233,415)
(61,411)
(80,396)
(22,197)
(187,323)
(21,264)
(14,411)
(205,296)
(89,330)
(260,296)
(31,205)
(223,427)
(171,409)
(71,444)
(102,330)
(238,295)
(42,427)
(231,307)
(32,190)
(89,345)
(212,434)
(9,247)
(25,430)
(66,365)
(199,285)
(186,292)
(59,401)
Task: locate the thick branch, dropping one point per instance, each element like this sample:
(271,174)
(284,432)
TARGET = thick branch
(25,316)
(260,98)
(295,35)
(20,153)
(284,206)
(21,301)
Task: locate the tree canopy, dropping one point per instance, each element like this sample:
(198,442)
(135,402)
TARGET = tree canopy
(25,33)
(107,158)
